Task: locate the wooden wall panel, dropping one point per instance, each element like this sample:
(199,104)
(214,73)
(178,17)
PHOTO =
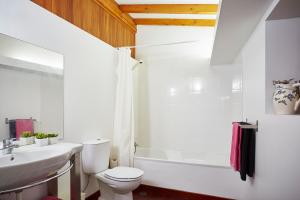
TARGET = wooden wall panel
(94,19)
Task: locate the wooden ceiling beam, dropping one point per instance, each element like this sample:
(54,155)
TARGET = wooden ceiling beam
(113,8)
(171,8)
(176,22)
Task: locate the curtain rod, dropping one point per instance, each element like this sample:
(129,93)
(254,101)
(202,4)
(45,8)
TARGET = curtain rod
(155,45)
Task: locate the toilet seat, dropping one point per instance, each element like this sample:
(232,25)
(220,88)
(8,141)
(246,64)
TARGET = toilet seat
(123,174)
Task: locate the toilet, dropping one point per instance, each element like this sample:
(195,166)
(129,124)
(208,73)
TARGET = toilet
(115,184)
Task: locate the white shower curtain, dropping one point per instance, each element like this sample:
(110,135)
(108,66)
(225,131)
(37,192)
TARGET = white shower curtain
(123,138)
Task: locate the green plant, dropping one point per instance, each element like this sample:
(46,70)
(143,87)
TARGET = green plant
(26,134)
(51,135)
(41,136)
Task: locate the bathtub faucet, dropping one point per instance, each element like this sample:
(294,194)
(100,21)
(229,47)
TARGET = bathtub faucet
(135,145)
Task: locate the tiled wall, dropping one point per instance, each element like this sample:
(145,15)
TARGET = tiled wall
(183,103)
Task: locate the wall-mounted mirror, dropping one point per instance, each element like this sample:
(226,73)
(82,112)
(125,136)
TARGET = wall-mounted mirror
(31,88)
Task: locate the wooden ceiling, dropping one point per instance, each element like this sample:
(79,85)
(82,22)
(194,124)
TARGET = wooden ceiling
(171,8)
(175,22)
(182,9)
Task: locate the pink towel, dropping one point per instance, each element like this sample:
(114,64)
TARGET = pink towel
(23,125)
(235,146)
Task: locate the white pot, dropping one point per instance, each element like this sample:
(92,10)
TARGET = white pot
(26,141)
(41,142)
(286,99)
(53,140)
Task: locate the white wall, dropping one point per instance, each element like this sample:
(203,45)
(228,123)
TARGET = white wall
(183,103)
(277,142)
(282,54)
(89,68)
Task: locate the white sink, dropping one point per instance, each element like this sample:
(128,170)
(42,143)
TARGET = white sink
(31,163)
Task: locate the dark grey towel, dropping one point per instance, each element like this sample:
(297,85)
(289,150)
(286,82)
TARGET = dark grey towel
(12,128)
(247,153)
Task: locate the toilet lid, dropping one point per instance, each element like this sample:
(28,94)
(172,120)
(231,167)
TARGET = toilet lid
(125,173)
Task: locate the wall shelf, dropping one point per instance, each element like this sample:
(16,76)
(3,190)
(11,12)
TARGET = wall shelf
(282,47)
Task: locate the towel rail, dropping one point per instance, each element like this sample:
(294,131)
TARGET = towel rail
(250,126)
(47,179)
(7,120)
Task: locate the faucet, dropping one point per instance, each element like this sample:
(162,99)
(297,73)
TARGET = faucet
(135,145)
(8,145)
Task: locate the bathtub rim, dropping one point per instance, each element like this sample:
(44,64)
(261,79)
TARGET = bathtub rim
(181,162)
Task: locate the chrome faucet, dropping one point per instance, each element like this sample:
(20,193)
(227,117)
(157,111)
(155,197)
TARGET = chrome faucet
(8,145)
(135,145)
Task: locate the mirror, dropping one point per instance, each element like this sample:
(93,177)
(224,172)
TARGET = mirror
(31,88)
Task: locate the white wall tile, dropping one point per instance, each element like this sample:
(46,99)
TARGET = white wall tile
(184,103)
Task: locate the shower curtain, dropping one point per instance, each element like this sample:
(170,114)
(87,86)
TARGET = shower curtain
(123,138)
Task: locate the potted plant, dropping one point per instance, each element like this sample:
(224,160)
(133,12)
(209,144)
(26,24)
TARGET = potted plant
(26,138)
(53,138)
(41,139)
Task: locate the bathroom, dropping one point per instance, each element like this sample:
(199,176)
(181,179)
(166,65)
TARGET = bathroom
(191,79)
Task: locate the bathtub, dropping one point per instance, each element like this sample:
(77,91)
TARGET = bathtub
(205,173)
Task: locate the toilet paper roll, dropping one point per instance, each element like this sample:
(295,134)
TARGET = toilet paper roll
(82,196)
(113,163)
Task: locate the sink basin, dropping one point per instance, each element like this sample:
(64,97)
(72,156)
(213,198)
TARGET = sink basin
(31,163)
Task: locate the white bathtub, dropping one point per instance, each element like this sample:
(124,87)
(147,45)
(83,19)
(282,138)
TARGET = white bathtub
(199,173)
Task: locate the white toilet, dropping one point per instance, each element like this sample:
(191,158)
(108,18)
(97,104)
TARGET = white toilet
(115,184)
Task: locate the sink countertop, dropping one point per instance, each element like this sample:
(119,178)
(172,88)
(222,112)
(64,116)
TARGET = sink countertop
(74,147)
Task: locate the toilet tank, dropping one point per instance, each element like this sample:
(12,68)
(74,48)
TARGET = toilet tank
(95,155)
